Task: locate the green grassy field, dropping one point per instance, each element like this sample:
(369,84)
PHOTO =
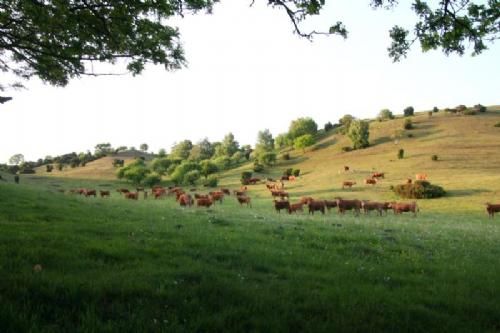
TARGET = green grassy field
(150,265)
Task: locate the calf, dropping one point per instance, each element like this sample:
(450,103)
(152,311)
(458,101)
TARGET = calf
(104,193)
(204,202)
(370,181)
(295,207)
(348,184)
(244,199)
(316,205)
(400,207)
(492,209)
(279,205)
(344,205)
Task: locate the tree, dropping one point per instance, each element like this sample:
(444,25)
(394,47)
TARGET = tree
(345,122)
(359,134)
(181,150)
(265,141)
(182,169)
(282,140)
(162,152)
(16,159)
(304,141)
(385,114)
(144,147)
(102,149)
(228,146)
(208,167)
(160,165)
(409,111)
(203,150)
(266,158)
(135,172)
(302,126)
(246,150)
(137,33)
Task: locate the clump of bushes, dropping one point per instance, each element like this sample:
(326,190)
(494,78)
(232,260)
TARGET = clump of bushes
(211,181)
(296,172)
(401,154)
(409,111)
(420,189)
(49,167)
(434,157)
(408,124)
(288,172)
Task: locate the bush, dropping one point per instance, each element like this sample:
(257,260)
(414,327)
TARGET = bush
(479,108)
(419,189)
(191,177)
(401,154)
(211,181)
(359,133)
(288,172)
(385,114)
(49,167)
(60,166)
(257,167)
(152,180)
(328,126)
(245,176)
(434,157)
(346,149)
(408,124)
(409,111)
(435,109)
(284,156)
(296,172)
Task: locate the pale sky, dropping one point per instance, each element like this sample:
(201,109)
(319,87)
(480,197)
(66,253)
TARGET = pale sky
(247,71)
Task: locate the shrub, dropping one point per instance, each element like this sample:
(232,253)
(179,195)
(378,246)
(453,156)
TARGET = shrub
(296,172)
(191,177)
(266,158)
(401,154)
(479,108)
(284,156)
(245,176)
(152,180)
(303,141)
(60,166)
(211,181)
(385,114)
(435,109)
(49,167)
(434,157)
(408,124)
(346,149)
(419,189)
(328,126)
(257,167)
(359,133)
(409,111)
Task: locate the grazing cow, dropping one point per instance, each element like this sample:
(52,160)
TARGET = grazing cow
(330,204)
(204,202)
(293,208)
(239,193)
(421,176)
(244,199)
(88,193)
(279,205)
(104,193)
(378,175)
(346,168)
(370,181)
(132,195)
(284,177)
(179,194)
(159,192)
(225,191)
(492,209)
(253,181)
(281,194)
(158,187)
(306,200)
(400,207)
(217,196)
(185,200)
(348,184)
(316,205)
(201,196)
(344,205)
(122,190)
(378,206)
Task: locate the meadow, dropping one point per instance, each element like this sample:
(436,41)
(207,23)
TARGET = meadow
(112,265)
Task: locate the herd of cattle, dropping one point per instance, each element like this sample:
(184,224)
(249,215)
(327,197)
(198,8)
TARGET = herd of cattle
(281,198)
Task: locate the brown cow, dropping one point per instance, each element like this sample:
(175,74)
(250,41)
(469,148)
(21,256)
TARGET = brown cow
(132,195)
(330,204)
(204,202)
(201,196)
(159,192)
(421,176)
(378,206)
(293,208)
(239,193)
(225,191)
(253,181)
(344,205)
(88,193)
(244,199)
(316,205)
(370,181)
(346,168)
(348,184)
(400,207)
(185,200)
(378,175)
(281,194)
(279,205)
(292,178)
(104,193)
(217,196)
(284,177)
(306,200)
(122,190)
(492,209)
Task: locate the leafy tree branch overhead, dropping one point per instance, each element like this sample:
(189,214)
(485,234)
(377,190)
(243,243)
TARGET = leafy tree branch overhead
(56,40)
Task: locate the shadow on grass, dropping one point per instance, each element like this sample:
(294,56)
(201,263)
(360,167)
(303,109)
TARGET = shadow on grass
(465,193)
(324,144)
